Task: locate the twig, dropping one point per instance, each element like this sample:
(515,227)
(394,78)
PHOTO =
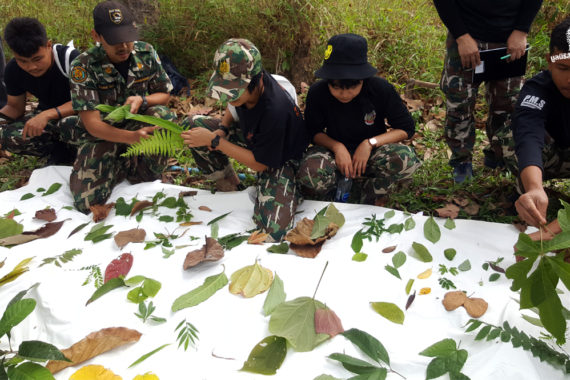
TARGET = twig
(322,274)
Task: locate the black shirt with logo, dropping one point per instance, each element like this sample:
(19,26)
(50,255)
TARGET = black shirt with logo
(540,108)
(363,117)
(51,89)
(274,128)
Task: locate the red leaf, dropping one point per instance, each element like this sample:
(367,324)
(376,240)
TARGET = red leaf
(327,322)
(119,267)
(47,230)
(100,212)
(47,214)
(140,205)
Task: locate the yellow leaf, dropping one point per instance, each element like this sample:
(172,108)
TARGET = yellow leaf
(251,280)
(18,270)
(94,372)
(425,274)
(424,291)
(146,376)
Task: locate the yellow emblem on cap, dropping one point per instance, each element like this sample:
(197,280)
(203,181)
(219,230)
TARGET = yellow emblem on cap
(328,52)
(78,74)
(116,16)
(224,68)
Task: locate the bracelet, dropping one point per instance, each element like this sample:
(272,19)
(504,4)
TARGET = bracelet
(58,113)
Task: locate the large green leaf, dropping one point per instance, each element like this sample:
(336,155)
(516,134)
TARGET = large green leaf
(319,227)
(36,350)
(368,344)
(334,215)
(560,241)
(389,311)
(112,284)
(561,267)
(540,285)
(295,321)
(29,371)
(431,230)
(518,273)
(420,252)
(456,360)
(52,189)
(16,313)
(275,296)
(442,348)
(353,364)
(526,247)
(564,216)
(210,286)
(550,313)
(267,356)
(9,227)
(436,368)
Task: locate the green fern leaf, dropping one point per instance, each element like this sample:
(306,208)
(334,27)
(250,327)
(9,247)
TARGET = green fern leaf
(162,142)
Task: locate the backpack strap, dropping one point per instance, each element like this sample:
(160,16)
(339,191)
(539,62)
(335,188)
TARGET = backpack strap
(66,61)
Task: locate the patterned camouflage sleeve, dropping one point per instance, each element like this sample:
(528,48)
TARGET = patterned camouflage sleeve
(84,95)
(160,81)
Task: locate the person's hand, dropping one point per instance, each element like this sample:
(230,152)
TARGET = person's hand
(531,207)
(360,158)
(35,126)
(197,137)
(468,51)
(143,133)
(516,45)
(135,102)
(343,160)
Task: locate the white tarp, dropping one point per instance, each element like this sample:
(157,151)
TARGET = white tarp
(230,326)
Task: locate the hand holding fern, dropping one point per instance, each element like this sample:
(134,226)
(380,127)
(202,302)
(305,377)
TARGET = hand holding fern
(197,137)
(143,133)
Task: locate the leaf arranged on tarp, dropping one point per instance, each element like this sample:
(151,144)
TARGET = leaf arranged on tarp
(119,266)
(140,206)
(100,212)
(36,350)
(389,249)
(449,224)
(190,224)
(210,286)
(420,252)
(257,237)
(112,284)
(409,285)
(364,369)
(267,356)
(45,231)
(464,266)
(189,193)
(15,313)
(98,233)
(148,288)
(232,240)
(146,376)
(47,214)
(166,218)
(359,257)
(251,280)
(27,196)
(424,291)
(300,238)
(326,377)
(295,321)
(217,219)
(275,296)
(205,208)
(447,358)
(393,271)
(279,248)
(65,257)
(148,355)
(368,344)
(122,208)
(389,214)
(77,229)
(28,370)
(449,253)
(409,224)
(9,227)
(475,307)
(94,372)
(327,322)
(211,251)
(410,300)
(425,274)
(18,270)
(431,230)
(452,300)
(399,259)
(52,189)
(357,241)
(334,215)
(389,311)
(94,344)
(135,235)
(442,348)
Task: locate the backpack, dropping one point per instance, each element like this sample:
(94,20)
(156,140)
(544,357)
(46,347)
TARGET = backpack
(66,59)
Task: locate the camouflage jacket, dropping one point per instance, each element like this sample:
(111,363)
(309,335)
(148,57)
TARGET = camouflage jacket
(95,80)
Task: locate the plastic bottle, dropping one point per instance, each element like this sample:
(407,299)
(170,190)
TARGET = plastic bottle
(343,186)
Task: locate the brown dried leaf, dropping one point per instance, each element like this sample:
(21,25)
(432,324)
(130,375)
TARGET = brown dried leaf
(47,214)
(461,202)
(45,231)
(411,299)
(413,104)
(472,209)
(327,322)
(307,250)
(93,345)
(140,205)
(300,238)
(135,235)
(452,300)
(301,234)
(449,211)
(199,110)
(389,249)
(257,237)
(433,125)
(211,251)
(189,193)
(100,212)
(475,307)
(188,224)
(204,208)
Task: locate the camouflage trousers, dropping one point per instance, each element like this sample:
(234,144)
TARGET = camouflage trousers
(461,92)
(277,190)
(99,165)
(49,143)
(387,165)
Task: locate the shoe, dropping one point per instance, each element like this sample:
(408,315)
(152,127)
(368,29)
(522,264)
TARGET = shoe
(462,171)
(492,163)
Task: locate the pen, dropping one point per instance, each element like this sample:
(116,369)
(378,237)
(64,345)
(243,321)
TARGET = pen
(509,56)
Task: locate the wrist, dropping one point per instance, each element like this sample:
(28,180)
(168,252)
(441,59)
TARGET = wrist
(144,104)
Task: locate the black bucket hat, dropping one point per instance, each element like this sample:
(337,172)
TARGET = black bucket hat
(115,23)
(346,58)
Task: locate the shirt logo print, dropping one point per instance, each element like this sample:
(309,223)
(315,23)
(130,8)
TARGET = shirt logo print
(370,117)
(532,101)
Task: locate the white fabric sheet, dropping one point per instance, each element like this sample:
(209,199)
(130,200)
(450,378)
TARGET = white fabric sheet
(230,326)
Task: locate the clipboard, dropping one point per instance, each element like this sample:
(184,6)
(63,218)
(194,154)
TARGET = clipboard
(492,67)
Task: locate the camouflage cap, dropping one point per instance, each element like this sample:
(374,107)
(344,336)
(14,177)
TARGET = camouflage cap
(235,63)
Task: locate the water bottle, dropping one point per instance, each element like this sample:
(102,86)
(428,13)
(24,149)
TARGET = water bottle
(343,186)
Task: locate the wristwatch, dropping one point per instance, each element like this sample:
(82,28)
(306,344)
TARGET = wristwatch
(372,141)
(144,105)
(215,142)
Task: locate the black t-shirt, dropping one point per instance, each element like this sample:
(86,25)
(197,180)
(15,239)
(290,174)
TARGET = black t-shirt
(51,89)
(363,117)
(540,107)
(274,129)
(487,20)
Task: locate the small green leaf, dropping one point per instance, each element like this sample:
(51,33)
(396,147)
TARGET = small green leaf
(409,224)
(166,218)
(359,256)
(170,202)
(27,196)
(389,214)
(409,285)
(421,253)
(113,283)
(449,253)
(217,219)
(389,311)
(357,243)
(136,295)
(449,224)
(146,356)
(36,350)
(151,287)
(29,370)
(483,332)
(77,229)
(393,271)
(320,226)
(368,344)
(334,215)
(395,228)
(442,348)
(52,189)
(279,248)
(399,259)
(464,266)
(214,230)
(353,364)
(436,368)
(15,313)
(474,325)
(210,286)
(494,277)
(135,280)
(431,230)
(267,356)
(275,296)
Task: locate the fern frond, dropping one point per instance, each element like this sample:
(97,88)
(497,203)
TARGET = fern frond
(162,142)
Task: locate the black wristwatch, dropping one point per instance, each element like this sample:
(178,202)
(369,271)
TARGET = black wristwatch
(215,142)
(224,129)
(144,105)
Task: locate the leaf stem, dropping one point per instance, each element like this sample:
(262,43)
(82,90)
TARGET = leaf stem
(319,283)
(397,373)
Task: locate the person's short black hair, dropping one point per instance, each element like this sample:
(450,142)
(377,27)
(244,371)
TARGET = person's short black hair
(25,35)
(254,81)
(560,37)
(343,83)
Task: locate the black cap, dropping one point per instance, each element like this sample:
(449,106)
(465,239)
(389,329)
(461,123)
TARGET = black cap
(346,58)
(114,22)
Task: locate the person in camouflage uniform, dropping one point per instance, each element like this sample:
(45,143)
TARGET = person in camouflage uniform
(266,133)
(119,70)
(345,113)
(36,68)
(475,26)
